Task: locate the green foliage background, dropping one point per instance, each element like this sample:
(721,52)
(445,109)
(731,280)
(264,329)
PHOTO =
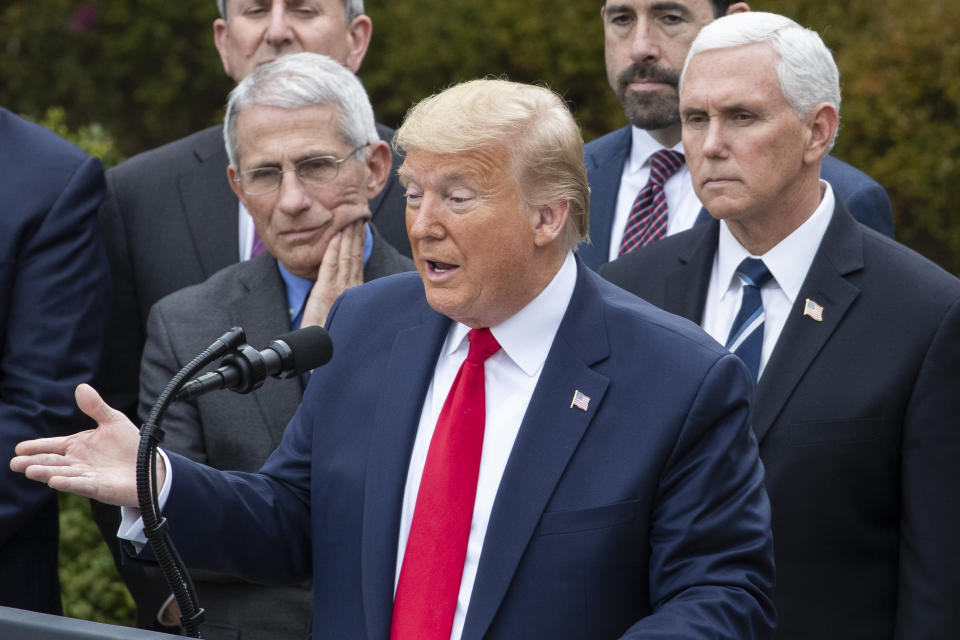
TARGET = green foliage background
(145,72)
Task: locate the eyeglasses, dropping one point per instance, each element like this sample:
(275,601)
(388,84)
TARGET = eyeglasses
(311,172)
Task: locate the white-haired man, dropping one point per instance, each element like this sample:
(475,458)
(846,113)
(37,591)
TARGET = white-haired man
(503,447)
(170,218)
(305,160)
(640,188)
(855,340)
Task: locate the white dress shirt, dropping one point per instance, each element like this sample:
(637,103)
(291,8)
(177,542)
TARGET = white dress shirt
(683,206)
(510,376)
(788,262)
(244,232)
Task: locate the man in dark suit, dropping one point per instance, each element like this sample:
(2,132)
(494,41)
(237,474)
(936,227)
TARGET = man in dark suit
(54,283)
(504,447)
(272,293)
(170,219)
(645,43)
(858,349)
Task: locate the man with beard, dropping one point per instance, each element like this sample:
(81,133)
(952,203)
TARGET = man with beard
(640,186)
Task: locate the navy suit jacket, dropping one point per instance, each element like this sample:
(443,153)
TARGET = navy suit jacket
(857,419)
(642,516)
(54,284)
(606,155)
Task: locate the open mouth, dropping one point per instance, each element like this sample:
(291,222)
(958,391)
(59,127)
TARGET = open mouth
(440,268)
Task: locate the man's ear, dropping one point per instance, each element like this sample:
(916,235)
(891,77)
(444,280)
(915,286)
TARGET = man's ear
(550,221)
(358,40)
(234,183)
(379,162)
(822,123)
(220,37)
(737,7)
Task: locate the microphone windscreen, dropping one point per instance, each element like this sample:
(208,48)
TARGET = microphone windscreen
(311,347)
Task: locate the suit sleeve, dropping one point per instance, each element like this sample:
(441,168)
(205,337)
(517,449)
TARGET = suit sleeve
(182,426)
(711,556)
(55,297)
(929,588)
(120,367)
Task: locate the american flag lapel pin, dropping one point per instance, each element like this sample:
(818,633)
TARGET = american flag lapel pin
(580,400)
(813,310)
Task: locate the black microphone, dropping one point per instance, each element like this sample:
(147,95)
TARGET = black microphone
(246,368)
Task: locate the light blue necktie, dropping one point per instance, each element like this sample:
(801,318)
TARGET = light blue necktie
(746,334)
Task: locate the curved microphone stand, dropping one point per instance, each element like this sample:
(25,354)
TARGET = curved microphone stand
(154,526)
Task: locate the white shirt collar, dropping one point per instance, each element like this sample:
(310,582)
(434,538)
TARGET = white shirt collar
(526,336)
(789,260)
(643,147)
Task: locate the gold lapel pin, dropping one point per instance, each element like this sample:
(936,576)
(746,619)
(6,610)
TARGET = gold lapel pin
(580,400)
(813,310)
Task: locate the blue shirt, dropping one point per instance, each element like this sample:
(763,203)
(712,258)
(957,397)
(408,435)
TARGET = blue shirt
(299,288)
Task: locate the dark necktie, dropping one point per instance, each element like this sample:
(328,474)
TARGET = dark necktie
(426,598)
(648,215)
(746,334)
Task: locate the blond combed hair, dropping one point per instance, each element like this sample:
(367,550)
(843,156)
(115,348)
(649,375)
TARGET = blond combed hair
(531,122)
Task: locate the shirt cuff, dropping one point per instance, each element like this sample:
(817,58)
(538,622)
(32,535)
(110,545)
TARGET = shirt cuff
(131,523)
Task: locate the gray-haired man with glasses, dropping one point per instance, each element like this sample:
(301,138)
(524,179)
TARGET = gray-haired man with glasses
(305,159)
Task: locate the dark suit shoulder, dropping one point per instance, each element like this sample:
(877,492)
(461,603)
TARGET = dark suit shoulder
(222,287)
(606,144)
(863,196)
(663,331)
(895,267)
(647,262)
(42,147)
(156,165)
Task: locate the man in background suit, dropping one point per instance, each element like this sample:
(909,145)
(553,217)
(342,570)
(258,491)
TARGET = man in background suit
(505,446)
(303,113)
(171,220)
(857,349)
(54,283)
(645,43)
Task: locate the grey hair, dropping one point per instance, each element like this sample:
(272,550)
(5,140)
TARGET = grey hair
(807,72)
(304,80)
(351,8)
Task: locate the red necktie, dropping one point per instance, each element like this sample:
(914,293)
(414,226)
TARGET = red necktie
(429,583)
(648,215)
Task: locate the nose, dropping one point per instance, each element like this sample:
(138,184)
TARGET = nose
(425,220)
(279,32)
(293,196)
(644,42)
(714,141)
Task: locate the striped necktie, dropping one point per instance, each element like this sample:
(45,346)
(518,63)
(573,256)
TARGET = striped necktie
(746,334)
(648,215)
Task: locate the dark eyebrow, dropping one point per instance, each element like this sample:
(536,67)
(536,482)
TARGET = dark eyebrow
(657,7)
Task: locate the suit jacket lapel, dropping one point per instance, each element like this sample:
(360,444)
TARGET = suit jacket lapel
(262,321)
(604,172)
(549,434)
(685,287)
(802,338)
(409,371)
(210,205)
